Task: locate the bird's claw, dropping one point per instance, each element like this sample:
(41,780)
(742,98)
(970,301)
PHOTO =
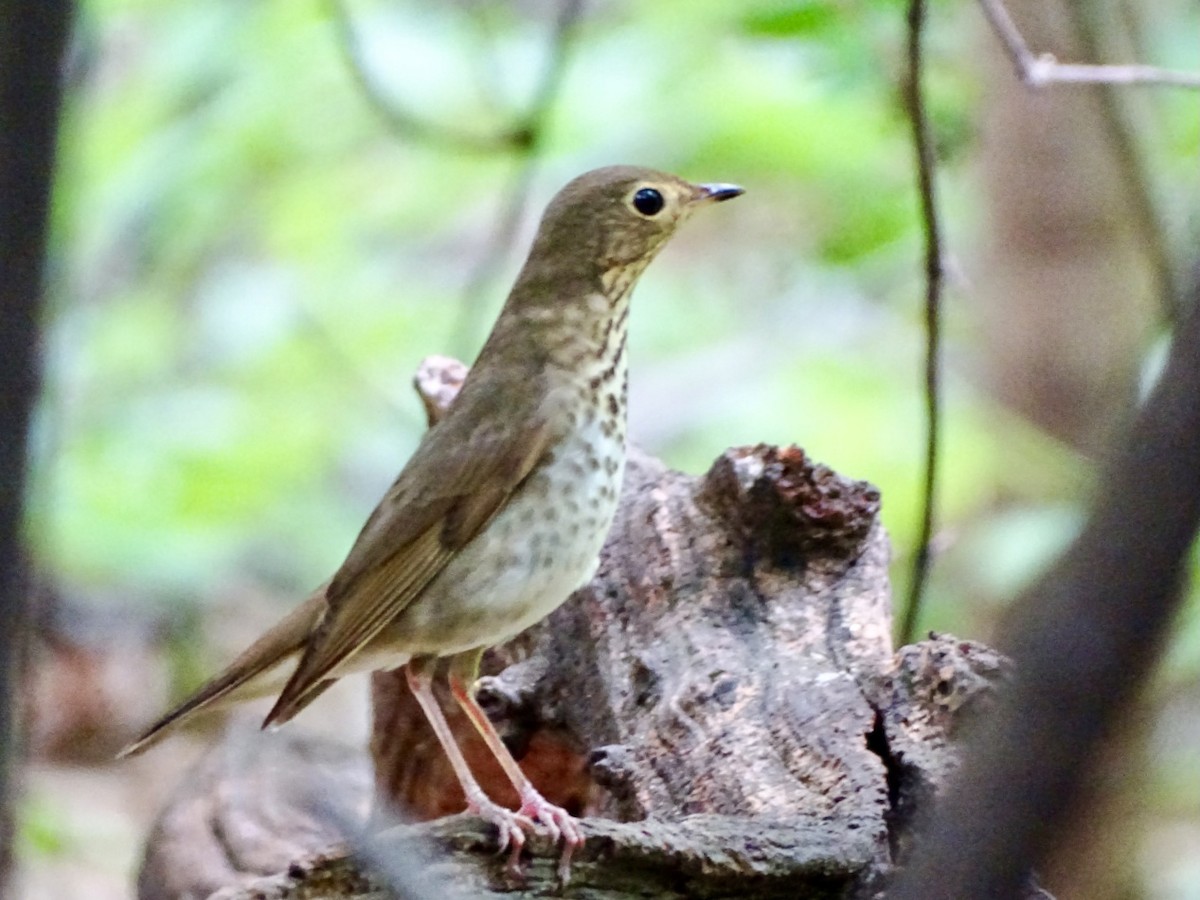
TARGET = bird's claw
(558,824)
(511,827)
(537,815)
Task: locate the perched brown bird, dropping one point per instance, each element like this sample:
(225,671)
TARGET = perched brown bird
(501,512)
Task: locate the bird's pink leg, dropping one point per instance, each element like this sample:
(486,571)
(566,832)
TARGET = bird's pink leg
(511,825)
(559,822)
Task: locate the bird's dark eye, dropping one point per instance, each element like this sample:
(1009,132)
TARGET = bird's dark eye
(648,201)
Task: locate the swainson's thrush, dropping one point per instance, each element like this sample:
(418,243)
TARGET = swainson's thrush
(501,511)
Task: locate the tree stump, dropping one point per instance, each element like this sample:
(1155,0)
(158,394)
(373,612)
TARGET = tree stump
(721,704)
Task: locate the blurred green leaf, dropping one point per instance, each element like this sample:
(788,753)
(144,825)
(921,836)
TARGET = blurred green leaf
(802,18)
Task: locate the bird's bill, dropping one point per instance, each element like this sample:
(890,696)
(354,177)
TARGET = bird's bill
(715,193)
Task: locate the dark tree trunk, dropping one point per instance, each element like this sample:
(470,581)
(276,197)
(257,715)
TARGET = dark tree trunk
(1083,641)
(33,34)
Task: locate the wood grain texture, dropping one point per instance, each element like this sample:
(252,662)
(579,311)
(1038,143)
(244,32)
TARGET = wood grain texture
(721,703)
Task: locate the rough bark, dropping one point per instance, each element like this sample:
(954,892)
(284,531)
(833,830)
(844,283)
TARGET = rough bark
(721,704)
(260,818)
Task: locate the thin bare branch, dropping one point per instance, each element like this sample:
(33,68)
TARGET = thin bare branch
(533,130)
(561,45)
(1136,183)
(503,235)
(1038,70)
(405,123)
(524,135)
(923,146)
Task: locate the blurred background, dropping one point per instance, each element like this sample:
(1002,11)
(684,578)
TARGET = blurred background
(268,212)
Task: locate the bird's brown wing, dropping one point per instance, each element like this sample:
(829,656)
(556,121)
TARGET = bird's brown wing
(461,476)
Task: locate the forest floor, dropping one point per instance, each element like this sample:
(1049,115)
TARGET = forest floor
(84,826)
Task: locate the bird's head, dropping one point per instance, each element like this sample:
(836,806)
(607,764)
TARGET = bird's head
(605,226)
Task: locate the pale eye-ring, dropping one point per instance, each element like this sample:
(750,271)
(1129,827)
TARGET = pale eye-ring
(648,201)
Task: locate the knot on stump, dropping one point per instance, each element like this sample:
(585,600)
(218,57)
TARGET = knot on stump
(789,509)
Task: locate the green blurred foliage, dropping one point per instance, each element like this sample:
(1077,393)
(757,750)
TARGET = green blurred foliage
(43,830)
(249,263)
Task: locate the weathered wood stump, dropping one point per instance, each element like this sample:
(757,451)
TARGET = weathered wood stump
(721,704)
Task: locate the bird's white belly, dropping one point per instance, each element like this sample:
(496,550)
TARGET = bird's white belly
(539,549)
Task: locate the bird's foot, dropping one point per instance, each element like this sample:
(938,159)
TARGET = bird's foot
(536,814)
(511,827)
(558,823)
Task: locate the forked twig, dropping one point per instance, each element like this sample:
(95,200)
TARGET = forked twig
(1038,70)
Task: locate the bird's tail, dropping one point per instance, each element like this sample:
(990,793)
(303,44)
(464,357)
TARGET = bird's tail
(262,669)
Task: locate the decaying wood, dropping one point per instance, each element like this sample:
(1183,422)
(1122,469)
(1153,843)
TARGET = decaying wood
(721,704)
